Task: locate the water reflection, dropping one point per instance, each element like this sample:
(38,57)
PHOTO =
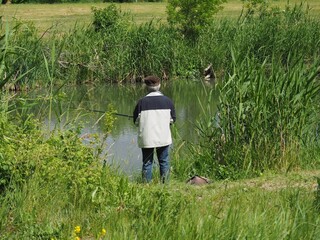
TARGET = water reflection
(72,105)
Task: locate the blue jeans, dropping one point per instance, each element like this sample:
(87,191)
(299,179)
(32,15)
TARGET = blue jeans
(163,158)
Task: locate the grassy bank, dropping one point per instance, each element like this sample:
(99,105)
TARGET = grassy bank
(270,207)
(65,16)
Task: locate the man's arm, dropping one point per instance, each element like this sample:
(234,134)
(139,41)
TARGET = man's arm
(136,113)
(173,114)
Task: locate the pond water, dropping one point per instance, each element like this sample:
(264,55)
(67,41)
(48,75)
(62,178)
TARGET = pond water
(73,105)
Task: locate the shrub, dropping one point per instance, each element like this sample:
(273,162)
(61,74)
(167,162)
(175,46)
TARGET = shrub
(191,16)
(108,19)
(62,158)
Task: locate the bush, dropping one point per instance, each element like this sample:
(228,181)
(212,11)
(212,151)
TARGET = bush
(61,159)
(191,16)
(106,19)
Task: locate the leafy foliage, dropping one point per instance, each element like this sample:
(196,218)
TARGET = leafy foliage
(60,159)
(108,19)
(192,16)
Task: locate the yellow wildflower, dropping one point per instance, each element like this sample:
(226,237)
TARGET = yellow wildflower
(103,232)
(77,238)
(77,229)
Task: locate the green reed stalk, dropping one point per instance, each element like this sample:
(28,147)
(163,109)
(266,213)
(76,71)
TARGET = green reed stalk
(50,75)
(265,114)
(4,48)
(122,51)
(10,70)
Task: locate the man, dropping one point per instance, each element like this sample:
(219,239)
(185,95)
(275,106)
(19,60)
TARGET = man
(153,115)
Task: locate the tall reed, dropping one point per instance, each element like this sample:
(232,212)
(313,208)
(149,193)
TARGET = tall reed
(115,49)
(265,117)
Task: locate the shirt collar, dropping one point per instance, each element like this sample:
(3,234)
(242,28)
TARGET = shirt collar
(153,94)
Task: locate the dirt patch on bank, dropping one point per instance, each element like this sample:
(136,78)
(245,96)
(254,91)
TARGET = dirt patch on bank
(298,179)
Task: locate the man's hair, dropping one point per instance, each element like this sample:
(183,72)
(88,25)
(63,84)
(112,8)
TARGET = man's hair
(153,88)
(152,80)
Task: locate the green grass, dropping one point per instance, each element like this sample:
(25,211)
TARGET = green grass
(65,16)
(269,207)
(233,7)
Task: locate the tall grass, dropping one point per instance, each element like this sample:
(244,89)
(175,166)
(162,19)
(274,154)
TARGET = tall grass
(118,50)
(267,110)
(12,69)
(266,115)
(176,211)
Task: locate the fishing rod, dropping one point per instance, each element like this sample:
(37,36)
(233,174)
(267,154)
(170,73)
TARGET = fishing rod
(117,114)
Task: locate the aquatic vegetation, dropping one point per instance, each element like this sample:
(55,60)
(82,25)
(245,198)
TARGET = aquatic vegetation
(266,115)
(115,49)
(267,111)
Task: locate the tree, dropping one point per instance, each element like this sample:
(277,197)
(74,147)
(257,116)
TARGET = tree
(190,16)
